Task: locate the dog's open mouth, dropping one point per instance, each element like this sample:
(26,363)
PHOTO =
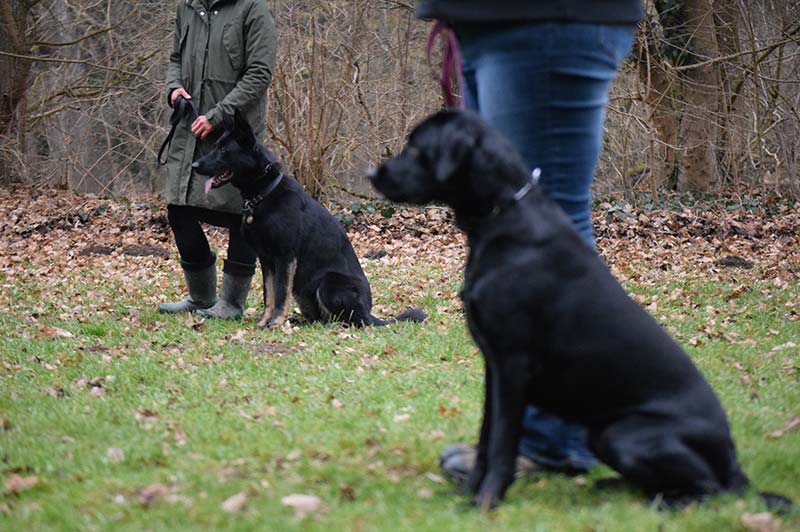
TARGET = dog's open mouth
(218,180)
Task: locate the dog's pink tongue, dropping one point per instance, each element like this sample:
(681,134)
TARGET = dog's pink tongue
(209,183)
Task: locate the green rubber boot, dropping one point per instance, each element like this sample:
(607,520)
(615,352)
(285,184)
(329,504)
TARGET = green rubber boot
(236,279)
(202,284)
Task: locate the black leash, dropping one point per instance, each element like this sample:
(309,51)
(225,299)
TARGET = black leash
(180,108)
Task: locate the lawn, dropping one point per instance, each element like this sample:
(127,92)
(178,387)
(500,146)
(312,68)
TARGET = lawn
(113,417)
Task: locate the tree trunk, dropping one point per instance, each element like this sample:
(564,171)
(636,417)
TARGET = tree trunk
(699,130)
(13,72)
(661,92)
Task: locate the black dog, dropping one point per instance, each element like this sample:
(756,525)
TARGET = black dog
(302,248)
(557,330)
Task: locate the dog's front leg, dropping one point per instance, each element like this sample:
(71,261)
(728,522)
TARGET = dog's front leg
(476,476)
(507,406)
(282,283)
(269,291)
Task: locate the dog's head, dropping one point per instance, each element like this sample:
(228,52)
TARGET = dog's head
(236,157)
(454,157)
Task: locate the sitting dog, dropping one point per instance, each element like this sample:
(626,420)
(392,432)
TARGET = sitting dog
(302,248)
(557,330)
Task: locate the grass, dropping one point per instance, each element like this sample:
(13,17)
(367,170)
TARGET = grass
(355,417)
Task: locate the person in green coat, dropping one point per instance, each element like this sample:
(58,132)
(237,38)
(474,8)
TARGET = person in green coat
(222,59)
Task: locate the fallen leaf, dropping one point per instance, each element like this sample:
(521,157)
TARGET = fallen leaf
(792,424)
(347,491)
(337,404)
(304,505)
(16,483)
(55,392)
(55,332)
(240,335)
(761,522)
(152,493)
(115,455)
(235,503)
(433,477)
(402,418)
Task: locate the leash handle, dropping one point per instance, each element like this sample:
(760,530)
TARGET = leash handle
(180,107)
(451,63)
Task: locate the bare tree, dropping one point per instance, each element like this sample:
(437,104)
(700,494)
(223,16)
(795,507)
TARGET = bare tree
(14,69)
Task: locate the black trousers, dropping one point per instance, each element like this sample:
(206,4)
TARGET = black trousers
(193,245)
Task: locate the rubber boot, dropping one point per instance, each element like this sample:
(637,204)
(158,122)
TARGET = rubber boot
(236,279)
(202,283)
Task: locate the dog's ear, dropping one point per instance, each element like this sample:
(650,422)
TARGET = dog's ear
(242,130)
(457,147)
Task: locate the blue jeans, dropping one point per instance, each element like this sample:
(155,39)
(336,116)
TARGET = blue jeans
(545,86)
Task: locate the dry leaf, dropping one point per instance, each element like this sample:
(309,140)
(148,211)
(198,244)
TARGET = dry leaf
(792,424)
(152,493)
(347,491)
(16,483)
(235,503)
(115,455)
(55,332)
(761,522)
(240,335)
(304,505)
(425,493)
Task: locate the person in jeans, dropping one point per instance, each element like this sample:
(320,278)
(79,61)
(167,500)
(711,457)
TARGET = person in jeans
(222,58)
(540,72)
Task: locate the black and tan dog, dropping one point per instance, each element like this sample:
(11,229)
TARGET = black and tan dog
(302,248)
(557,330)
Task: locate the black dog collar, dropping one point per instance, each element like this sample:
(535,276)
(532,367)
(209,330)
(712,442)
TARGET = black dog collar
(519,194)
(250,204)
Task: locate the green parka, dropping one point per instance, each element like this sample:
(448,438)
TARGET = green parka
(223,53)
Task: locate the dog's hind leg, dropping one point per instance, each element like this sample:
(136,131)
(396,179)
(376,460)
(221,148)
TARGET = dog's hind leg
(657,459)
(269,293)
(339,298)
(282,282)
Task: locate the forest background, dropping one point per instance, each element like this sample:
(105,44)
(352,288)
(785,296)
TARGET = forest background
(709,100)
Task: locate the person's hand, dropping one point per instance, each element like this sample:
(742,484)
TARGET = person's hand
(180,91)
(201,127)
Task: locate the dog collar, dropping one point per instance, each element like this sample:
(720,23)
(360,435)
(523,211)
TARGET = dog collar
(519,194)
(250,204)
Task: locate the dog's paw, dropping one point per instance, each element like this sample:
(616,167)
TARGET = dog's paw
(472,483)
(486,500)
(275,323)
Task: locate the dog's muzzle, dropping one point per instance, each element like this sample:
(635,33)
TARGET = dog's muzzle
(218,180)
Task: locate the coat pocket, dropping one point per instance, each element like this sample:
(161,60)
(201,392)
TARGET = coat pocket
(233,40)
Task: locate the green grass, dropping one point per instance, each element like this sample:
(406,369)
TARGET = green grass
(356,417)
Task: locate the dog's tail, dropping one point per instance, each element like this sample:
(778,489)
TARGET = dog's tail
(413,314)
(774,501)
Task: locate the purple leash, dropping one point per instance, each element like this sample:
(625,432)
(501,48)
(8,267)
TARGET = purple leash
(451,60)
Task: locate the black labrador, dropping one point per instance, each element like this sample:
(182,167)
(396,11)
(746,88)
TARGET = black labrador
(302,248)
(557,330)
